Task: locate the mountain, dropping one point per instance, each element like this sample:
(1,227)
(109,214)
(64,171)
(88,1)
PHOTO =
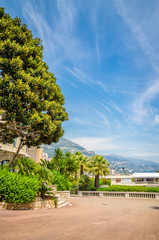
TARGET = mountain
(66,146)
(118,163)
(129,165)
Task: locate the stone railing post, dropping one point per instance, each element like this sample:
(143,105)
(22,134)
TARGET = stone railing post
(80,194)
(100,194)
(127,195)
(157,196)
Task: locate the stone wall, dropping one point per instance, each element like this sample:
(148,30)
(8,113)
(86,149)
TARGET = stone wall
(62,198)
(64,195)
(45,204)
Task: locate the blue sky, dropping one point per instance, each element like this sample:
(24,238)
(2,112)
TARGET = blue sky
(105,56)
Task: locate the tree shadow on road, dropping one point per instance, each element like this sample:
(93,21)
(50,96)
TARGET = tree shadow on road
(155,207)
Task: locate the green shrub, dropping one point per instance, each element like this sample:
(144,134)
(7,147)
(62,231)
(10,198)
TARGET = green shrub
(15,188)
(61,181)
(45,189)
(74,188)
(104,181)
(85,183)
(124,188)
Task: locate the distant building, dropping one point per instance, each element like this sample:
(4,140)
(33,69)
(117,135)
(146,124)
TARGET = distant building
(112,171)
(45,156)
(148,178)
(144,179)
(7,151)
(120,179)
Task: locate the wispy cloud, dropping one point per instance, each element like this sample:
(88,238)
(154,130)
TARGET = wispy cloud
(59,38)
(156,120)
(105,106)
(142,107)
(105,120)
(84,78)
(82,121)
(138,33)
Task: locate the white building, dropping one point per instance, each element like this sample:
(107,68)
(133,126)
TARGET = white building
(144,179)
(148,178)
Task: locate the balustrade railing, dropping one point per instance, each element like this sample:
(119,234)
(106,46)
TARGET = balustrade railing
(140,195)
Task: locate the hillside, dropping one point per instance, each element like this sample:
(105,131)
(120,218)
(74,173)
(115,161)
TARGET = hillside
(66,146)
(118,163)
(129,165)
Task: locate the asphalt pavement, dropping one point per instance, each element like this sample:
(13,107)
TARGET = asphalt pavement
(87,219)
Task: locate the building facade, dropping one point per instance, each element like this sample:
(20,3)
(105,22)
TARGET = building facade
(7,151)
(144,179)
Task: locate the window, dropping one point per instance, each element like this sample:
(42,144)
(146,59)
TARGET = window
(15,143)
(118,179)
(2,163)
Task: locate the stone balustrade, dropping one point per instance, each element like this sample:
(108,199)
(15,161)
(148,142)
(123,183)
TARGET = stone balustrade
(139,195)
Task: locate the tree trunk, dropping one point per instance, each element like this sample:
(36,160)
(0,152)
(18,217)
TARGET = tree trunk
(76,176)
(81,170)
(16,154)
(96,183)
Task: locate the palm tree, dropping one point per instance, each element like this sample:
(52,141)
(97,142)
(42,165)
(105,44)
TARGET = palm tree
(71,166)
(26,166)
(58,160)
(99,166)
(82,161)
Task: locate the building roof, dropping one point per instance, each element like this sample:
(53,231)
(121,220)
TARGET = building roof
(145,175)
(119,176)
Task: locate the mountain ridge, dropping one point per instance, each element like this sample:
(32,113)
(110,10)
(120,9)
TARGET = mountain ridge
(117,162)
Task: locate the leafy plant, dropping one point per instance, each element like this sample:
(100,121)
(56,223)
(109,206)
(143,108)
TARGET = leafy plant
(104,181)
(16,188)
(56,202)
(45,190)
(26,166)
(45,175)
(61,181)
(85,183)
(74,188)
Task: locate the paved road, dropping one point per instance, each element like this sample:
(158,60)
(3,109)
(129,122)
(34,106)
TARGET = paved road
(87,219)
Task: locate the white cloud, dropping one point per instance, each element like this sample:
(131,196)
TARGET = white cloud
(95,143)
(82,121)
(142,106)
(156,120)
(138,34)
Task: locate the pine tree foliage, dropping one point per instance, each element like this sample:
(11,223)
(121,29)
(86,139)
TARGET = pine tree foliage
(29,95)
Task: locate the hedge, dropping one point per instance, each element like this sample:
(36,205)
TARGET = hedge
(124,188)
(16,188)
